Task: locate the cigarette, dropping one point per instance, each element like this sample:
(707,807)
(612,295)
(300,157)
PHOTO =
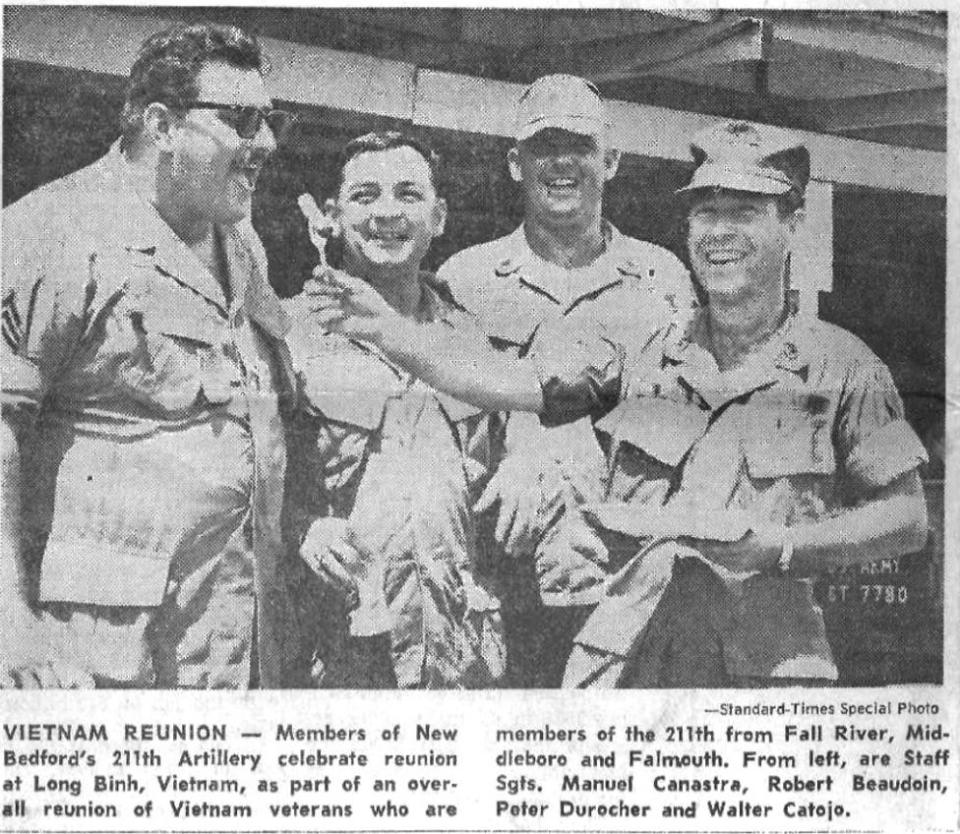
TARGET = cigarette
(318,225)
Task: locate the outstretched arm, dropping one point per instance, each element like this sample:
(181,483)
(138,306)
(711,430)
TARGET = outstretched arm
(459,362)
(892,523)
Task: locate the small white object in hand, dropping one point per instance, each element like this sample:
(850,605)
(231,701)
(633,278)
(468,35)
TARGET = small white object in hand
(319,225)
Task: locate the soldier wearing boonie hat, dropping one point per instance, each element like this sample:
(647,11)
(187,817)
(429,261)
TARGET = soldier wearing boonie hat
(739,156)
(748,449)
(760,447)
(563,270)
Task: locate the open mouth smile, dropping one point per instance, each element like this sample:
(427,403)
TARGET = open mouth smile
(248,172)
(388,238)
(248,166)
(724,256)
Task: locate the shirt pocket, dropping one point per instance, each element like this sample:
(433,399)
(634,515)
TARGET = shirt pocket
(181,357)
(791,441)
(662,428)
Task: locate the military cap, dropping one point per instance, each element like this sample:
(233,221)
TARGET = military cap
(560,101)
(741,156)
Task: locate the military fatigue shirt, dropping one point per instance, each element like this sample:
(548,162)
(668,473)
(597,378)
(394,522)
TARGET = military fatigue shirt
(521,299)
(382,449)
(146,399)
(809,425)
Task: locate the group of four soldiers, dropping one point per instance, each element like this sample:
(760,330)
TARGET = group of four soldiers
(556,461)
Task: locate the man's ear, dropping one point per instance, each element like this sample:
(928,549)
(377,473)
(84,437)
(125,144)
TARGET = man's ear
(611,161)
(796,220)
(439,217)
(159,123)
(513,163)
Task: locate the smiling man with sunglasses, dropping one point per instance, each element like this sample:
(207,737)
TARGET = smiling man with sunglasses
(144,366)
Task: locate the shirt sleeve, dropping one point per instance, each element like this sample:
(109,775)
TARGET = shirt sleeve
(458,274)
(875,443)
(50,302)
(463,321)
(580,370)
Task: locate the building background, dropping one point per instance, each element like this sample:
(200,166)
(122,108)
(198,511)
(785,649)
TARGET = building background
(867,89)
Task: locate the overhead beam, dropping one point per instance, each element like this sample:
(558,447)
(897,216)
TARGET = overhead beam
(932,23)
(421,49)
(105,40)
(839,32)
(695,46)
(907,107)
(748,41)
(517,30)
(477,105)
(693,15)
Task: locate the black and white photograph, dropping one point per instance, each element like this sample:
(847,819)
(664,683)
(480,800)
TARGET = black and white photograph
(494,349)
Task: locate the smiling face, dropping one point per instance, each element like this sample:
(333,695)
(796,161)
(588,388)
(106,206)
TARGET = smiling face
(563,175)
(388,211)
(738,241)
(213,171)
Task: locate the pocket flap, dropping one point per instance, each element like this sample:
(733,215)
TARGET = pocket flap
(349,387)
(664,429)
(193,325)
(791,443)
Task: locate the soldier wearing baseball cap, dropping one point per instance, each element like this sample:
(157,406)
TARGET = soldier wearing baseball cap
(748,449)
(568,267)
(564,102)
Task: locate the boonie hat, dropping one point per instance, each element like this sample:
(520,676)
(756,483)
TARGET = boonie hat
(560,101)
(741,156)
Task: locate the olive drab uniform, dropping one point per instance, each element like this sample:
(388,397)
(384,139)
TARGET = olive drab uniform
(811,424)
(518,298)
(146,399)
(383,450)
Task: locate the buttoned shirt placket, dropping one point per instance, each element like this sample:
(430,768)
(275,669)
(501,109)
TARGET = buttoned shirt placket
(251,403)
(687,369)
(563,288)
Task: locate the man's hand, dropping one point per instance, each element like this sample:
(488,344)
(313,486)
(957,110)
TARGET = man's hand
(573,559)
(27,660)
(46,674)
(671,521)
(525,509)
(340,303)
(321,224)
(543,471)
(331,556)
(757,551)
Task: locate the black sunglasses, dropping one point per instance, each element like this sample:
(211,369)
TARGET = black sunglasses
(247,120)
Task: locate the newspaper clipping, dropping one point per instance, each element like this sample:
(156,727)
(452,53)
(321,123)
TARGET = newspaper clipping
(511,419)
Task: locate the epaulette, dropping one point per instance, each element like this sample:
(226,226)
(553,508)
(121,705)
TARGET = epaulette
(506,267)
(442,289)
(637,269)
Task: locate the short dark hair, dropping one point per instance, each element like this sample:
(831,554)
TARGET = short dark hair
(168,63)
(386,140)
